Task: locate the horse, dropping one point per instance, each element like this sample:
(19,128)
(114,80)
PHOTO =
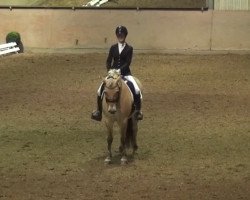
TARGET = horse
(118,107)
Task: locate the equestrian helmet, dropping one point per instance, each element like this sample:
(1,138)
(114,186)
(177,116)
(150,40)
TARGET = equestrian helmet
(121,30)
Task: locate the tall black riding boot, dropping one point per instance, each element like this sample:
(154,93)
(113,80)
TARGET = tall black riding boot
(97,114)
(137,102)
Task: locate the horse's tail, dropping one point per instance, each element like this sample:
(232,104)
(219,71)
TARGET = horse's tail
(130,137)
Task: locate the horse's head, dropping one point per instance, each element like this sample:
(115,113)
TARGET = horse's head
(112,92)
(114,73)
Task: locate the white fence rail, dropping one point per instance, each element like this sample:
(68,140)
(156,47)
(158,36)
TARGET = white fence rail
(96,3)
(8,48)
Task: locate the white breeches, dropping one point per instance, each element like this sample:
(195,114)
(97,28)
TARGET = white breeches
(131,79)
(137,89)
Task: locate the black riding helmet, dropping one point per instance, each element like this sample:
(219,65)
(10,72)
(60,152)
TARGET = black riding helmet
(121,30)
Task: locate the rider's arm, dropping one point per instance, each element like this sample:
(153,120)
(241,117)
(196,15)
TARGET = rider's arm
(109,59)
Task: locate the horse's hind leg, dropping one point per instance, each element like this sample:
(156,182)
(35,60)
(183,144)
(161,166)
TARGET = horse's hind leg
(135,147)
(109,126)
(134,139)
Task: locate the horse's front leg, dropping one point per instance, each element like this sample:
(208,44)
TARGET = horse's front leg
(109,125)
(123,130)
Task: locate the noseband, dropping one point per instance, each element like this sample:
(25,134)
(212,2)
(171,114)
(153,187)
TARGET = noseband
(115,97)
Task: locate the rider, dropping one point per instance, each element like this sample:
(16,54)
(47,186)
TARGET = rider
(120,56)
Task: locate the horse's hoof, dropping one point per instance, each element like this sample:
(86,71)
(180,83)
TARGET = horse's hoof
(124,161)
(107,161)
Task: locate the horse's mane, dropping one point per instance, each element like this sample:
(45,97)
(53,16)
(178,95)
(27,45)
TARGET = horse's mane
(112,78)
(113,73)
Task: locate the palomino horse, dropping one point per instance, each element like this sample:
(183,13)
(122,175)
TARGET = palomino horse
(118,107)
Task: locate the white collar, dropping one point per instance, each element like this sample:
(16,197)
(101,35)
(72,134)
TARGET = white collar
(121,46)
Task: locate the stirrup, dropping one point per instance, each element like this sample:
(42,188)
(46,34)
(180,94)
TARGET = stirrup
(96,115)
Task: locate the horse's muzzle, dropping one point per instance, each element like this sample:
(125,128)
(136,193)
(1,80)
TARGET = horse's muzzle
(112,109)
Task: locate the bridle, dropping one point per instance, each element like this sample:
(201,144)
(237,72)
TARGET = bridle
(115,98)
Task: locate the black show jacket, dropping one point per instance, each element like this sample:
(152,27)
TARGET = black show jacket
(120,61)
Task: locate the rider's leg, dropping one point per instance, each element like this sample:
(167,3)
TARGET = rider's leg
(97,114)
(137,98)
